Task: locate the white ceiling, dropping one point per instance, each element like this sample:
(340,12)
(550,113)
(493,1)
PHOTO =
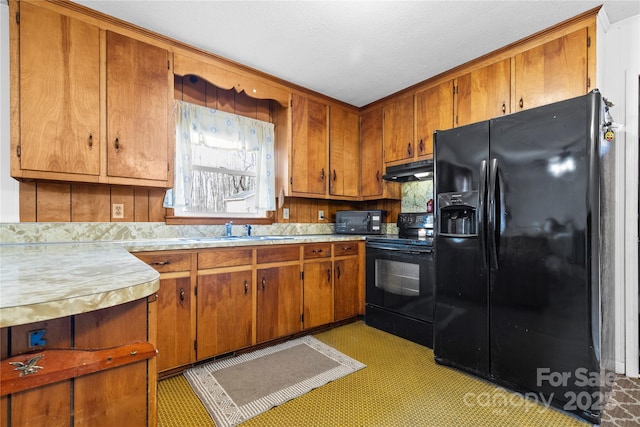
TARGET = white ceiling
(354,51)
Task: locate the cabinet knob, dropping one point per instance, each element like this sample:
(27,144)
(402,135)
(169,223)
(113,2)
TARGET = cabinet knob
(409,150)
(90,142)
(264,282)
(181,295)
(322,174)
(504,108)
(421,146)
(334,174)
(521,102)
(116,143)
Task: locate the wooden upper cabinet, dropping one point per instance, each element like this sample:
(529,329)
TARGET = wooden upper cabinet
(344,153)
(371,152)
(484,93)
(59,78)
(553,71)
(434,111)
(137,109)
(398,130)
(310,145)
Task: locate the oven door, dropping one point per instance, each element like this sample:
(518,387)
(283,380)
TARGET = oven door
(400,278)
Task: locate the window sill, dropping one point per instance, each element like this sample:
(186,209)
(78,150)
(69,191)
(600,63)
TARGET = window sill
(206,220)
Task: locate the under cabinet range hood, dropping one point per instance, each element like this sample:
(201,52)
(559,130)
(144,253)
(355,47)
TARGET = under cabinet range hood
(414,171)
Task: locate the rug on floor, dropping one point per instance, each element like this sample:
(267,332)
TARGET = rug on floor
(236,389)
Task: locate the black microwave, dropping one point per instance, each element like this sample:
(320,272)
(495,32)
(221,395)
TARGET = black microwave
(359,222)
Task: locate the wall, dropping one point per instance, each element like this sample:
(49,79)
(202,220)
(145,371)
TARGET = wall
(9,211)
(617,77)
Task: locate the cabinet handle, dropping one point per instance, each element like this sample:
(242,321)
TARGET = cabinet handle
(504,108)
(322,174)
(117,143)
(334,174)
(521,102)
(328,275)
(421,147)
(264,282)
(161,263)
(378,175)
(338,268)
(316,251)
(346,248)
(409,152)
(246,287)
(90,140)
(181,295)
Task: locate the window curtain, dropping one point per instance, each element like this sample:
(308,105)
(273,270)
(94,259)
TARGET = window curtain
(197,125)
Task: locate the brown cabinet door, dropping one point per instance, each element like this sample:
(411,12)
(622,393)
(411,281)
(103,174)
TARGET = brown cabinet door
(224,312)
(59,93)
(346,288)
(552,72)
(310,141)
(137,109)
(398,130)
(434,111)
(371,152)
(318,294)
(279,296)
(344,153)
(484,93)
(175,341)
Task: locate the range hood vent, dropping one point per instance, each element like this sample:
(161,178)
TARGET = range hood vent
(415,171)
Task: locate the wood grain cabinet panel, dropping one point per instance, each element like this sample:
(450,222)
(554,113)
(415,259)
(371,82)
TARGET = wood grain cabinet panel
(318,293)
(483,93)
(344,153)
(372,158)
(434,111)
(310,144)
(59,93)
(224,312)
(347,285)
(398,130)
(279,296)
(137,109)
(553,71)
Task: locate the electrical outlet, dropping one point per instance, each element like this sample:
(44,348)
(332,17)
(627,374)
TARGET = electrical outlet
(285,213)
(36,338)
(117,210)
(320,215)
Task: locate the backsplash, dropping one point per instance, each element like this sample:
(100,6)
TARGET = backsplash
(415,195)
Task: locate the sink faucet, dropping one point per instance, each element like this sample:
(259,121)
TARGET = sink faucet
(228,228)
(248,227)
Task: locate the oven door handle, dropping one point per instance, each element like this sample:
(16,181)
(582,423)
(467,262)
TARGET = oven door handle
(398,249)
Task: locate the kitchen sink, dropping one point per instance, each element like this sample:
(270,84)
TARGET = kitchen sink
(235,238)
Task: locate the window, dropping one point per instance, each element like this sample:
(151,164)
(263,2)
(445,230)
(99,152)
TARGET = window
(224,164)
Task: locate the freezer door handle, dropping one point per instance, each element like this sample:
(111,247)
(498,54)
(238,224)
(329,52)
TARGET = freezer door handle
(482,197)
(492,214)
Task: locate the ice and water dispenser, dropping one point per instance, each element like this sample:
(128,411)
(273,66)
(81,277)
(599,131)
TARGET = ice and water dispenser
(457,214)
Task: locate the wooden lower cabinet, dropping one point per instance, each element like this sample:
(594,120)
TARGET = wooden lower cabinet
(125,395)
(224,312)
(279,293)
(318,293)
(347,292)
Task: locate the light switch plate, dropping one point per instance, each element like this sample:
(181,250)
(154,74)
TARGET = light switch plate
(285,213)
(117,210)
(320,215)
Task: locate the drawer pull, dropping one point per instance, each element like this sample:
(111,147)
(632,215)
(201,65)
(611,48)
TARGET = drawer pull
(181,295)
(338,268)
(28,366)
(316,251)
(161,263)
(90,140)
(328,275)
(264,282)
(246,287)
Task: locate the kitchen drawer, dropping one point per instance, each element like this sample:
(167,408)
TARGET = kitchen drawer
(320,250)
(345,248)
(224,257)
(167,262)
(273,253)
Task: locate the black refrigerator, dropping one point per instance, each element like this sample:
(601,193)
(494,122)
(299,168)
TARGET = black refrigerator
(516,244)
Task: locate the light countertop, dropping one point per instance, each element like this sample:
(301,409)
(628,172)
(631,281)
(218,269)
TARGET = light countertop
(41,281)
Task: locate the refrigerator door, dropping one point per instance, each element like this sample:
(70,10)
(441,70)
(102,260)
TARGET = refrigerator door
(461,336)
(539,239)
